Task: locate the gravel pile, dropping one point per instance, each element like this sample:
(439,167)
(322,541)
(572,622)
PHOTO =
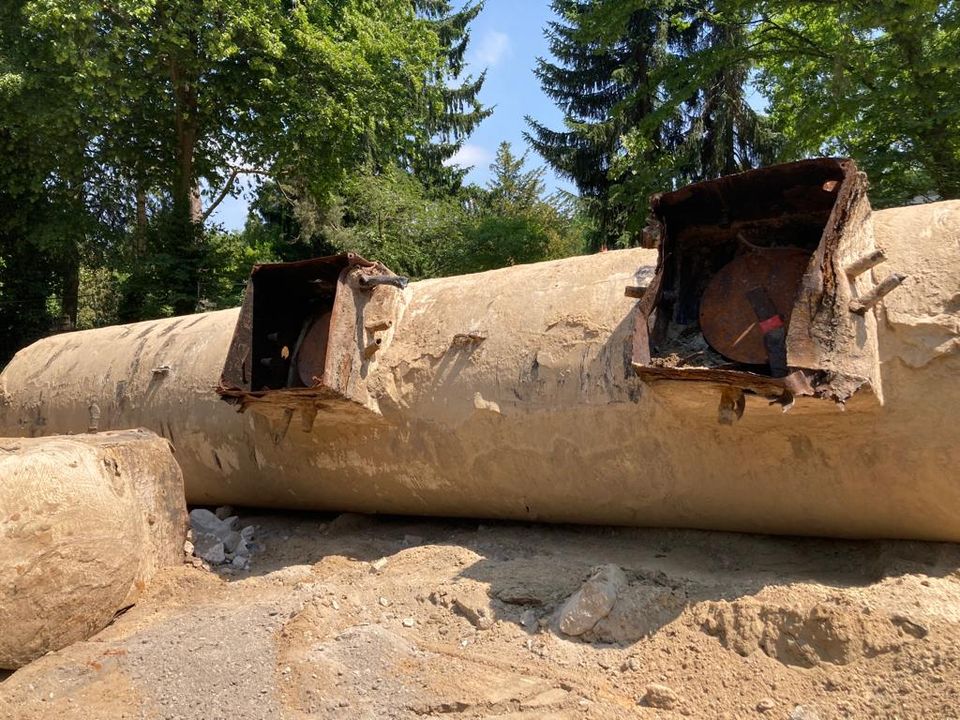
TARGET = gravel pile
(219,540)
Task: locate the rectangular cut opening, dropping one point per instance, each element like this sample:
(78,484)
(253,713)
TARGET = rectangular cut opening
(301,340)
(749,288)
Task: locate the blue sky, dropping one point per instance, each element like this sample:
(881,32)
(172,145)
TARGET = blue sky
(506,39)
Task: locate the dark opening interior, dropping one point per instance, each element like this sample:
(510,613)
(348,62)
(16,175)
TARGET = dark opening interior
(292,303)
(710,224)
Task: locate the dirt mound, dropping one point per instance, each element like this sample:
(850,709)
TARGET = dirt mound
(380,618)
(836,631)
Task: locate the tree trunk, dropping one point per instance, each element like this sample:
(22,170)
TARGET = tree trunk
(140,236)
(70,293)
(186,190)
(186,239)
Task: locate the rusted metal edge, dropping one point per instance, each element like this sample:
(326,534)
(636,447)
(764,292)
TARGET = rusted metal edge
(798,383)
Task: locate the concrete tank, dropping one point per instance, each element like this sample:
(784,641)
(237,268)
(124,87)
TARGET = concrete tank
(511,394)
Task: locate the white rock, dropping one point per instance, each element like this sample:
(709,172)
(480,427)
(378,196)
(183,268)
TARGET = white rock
(378,565)
(409,622)
(660,696)
(766,704)
(593,601)
(802,712)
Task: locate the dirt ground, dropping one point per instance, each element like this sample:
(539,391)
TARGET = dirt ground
(363,617)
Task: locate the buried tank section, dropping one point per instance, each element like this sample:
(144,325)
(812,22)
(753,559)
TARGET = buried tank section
(608,388)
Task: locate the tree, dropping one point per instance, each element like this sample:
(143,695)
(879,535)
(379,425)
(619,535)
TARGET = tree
(171,99)
(512,188)
(876,81)
(451,108)
(588,81)
(654,96)
(512,222)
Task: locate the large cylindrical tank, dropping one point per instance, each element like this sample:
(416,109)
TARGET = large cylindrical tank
(545,418)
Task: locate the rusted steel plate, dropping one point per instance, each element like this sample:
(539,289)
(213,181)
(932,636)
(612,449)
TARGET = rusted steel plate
(312,353)
(728,320)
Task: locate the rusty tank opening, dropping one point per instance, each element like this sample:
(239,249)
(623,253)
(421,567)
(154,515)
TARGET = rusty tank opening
(305,331)
(747,289)
(290,323)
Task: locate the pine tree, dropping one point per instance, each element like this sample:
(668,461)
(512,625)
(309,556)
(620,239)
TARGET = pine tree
(511,188)
(602,85)
(451,107)
(706,80)
(654,97)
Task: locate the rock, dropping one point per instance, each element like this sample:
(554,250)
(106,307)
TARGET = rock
(377,565)
(910,626)
(409,622)
(240,562)
(802,712)
(187,547)
(529,619)
(235,542)
(766,704)
(210,548)
(474,612)
(203,521)
(223,512)
(231,541)
(592,602)
(660,697)
(642,608)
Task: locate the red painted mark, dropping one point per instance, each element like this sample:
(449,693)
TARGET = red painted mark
(771,323)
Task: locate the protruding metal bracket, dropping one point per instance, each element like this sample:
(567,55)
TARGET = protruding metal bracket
(861,305)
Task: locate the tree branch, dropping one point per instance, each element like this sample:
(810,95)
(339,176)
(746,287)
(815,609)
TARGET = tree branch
(225,190)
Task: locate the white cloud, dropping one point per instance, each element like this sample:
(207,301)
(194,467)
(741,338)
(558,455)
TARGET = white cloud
(469,155)
(493,47)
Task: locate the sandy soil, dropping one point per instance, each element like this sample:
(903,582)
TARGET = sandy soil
(359,617)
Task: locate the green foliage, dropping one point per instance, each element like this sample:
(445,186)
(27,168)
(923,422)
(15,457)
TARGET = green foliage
(129,114)
(654,97)
(100,297)
(391,216)
(512,222)
(450,108)
(876,81)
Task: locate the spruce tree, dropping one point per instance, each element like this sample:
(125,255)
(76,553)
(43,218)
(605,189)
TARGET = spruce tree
(654,97)
(603,86)
(451,108)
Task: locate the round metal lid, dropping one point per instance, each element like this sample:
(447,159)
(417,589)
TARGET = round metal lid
(727,319)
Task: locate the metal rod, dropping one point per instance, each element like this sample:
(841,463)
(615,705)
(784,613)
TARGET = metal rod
(861,305)
(371,349)
(369,281)
(865,262)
